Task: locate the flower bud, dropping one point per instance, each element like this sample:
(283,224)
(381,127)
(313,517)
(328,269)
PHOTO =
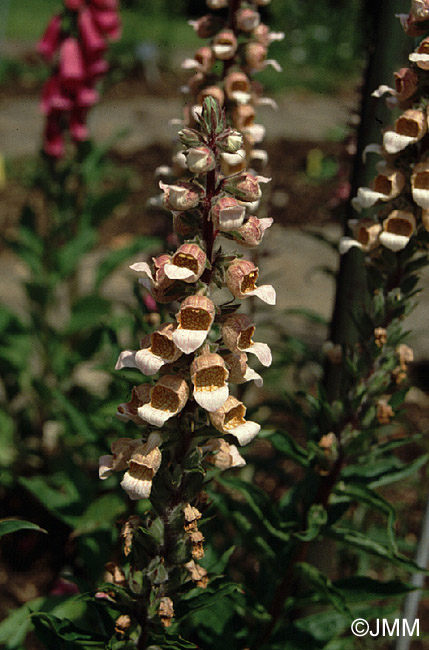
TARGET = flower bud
(189,137)
(250,234)
(200,159)
(230,141)
(71,67)
(247,19)
(209,376)
(241,277)
(397,230)
(225,45)
(256,55)
(227,214)
(49,42)
(181,196)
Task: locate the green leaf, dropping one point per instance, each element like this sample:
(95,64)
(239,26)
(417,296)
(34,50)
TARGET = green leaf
(199,598)
(316,519)
(284,442)
(101,513)
(78,422)
(366,544)
(13,525)
(170,641)
(323,586)
(101,207)
(69,256)
(63,634)
(382,472)
(117,257)
(87,312)
(365,495)
(360,588)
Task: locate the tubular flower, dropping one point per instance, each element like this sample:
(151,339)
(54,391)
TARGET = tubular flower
(197,573)
(420,184)
(211,91)
(129,410)
(195,318)
(141,460)
(250,234)
(229,418)
(224,45)
(156,350)
(181,196)
(245,186)
(410,127)
(243,116)
(237,332)
(241,278)
(239,371)
(203,60)
(200,160)
(366,236)
(187,263)
(247,19)
(237,87)
(397,230)
(209,376)
(166,399)
(158,283)
(387,185)
(231,163)
(223,455)
(227,214)
(421,55)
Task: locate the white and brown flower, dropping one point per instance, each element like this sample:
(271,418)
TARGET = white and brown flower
(366,236)
(181,195)
(225,45)
(420,184)
(241,278)
(129,410)
(166,399)
(187,263)
(156,350)
(239,371)
(237,87)
(209,376)
(387,185)
(410,127)
(223,455)
(194,319)
(237,332)
(398,229)
(230,418)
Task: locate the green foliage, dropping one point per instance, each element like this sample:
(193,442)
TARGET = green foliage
(12,525)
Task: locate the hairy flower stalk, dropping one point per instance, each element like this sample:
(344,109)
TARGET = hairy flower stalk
(75,42)
(184,408)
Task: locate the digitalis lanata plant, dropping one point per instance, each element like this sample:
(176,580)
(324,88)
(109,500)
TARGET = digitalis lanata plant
(186,415)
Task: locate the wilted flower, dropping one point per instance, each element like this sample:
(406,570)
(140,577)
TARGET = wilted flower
(156,350)
(187,263)
(405,355)
(209,376)
(166,399)
(241,278)
(122,624)
(410,127)
(384,412)
(194,319)
(230,418)
(166,611)
(380,336)
(192,516)
(198,574)
(397,230)
(237,332)
(197,549)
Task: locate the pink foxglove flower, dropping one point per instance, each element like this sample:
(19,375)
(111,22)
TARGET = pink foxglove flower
(48,44)
(209,376)
(225,45)
(230,418)
(195,318)
(250,234)
(72,70)
(200,160)
(166,399)
(247,19)
(181,196)
(237,332)
(92,40)
(53,138)
(245,186)
(241,278)
(237,87)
